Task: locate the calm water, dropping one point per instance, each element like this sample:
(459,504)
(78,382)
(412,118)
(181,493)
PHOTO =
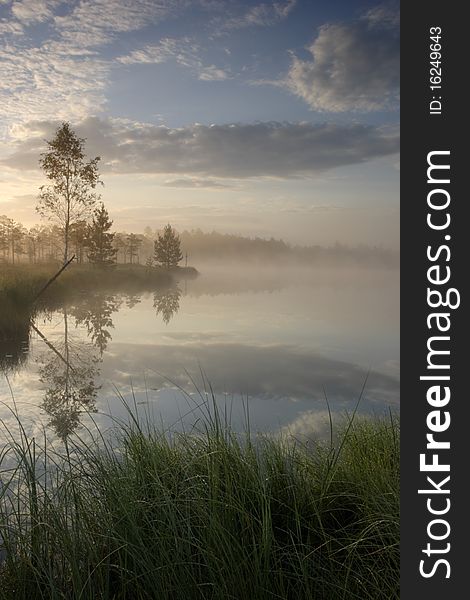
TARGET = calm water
(273,341)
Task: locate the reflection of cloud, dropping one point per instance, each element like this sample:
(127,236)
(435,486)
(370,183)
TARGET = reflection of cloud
(195,336)
(352,66)
(21,399)
(282,386)
(233,150)
(271,372)
(312,423)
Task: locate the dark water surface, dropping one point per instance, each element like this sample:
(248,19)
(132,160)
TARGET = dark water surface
(274,342)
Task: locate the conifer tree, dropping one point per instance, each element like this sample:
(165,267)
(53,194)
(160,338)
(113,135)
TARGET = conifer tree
(134,242)
(79,239)
(168,248)
(101,250)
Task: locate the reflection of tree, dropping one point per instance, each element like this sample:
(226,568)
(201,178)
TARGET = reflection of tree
(13,352)
(70,392)
(95,314)
(133,299)
(14,338)
(69,373)
(167,302)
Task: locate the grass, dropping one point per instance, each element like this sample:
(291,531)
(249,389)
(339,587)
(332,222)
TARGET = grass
(207,515)
(19,284)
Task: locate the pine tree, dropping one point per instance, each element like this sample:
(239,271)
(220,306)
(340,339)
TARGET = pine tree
(149,264)
(168,248)
(99,241)
(134,242)
(79,238)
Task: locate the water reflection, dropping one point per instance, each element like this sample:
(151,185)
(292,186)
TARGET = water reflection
(167,302)
(69,364)
(14,338)
(133,299)
(272,340)
(14,352)
(278,375)
(68,368)
(95,314)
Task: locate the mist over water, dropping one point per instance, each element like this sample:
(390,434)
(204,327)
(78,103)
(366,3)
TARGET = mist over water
(273,340)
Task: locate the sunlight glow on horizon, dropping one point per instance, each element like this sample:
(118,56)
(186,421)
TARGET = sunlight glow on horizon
(212,115)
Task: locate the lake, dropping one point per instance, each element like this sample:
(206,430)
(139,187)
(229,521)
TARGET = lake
(270,345)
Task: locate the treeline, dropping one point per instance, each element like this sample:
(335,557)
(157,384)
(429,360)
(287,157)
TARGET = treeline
(90,242)
(79,223)
(44,243)
(201,246)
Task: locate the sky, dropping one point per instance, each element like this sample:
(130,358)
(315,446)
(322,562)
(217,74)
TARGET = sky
(273,119)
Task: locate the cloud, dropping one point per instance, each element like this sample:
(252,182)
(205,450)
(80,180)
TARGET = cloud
(212,73)
(183,51)
(96,22)
(383,15)
(59,72)
(10,28)
(353,66)
(21,204)
(222,151)
(261,15)
(196,183)
(46,81)
(34,11)
(165,50)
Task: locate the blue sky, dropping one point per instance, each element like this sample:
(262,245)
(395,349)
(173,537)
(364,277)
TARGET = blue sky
(276,118)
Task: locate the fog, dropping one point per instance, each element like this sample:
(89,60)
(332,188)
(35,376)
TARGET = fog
(277,336)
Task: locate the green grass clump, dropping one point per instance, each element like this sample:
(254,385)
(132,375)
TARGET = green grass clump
(19,284)
(210,515)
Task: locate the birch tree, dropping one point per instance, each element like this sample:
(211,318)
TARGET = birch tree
(71,196)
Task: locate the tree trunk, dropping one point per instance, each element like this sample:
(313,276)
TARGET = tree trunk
(67,221)
(66,242)
(67,355)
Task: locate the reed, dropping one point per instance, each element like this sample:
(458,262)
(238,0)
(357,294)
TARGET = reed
(207,514)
